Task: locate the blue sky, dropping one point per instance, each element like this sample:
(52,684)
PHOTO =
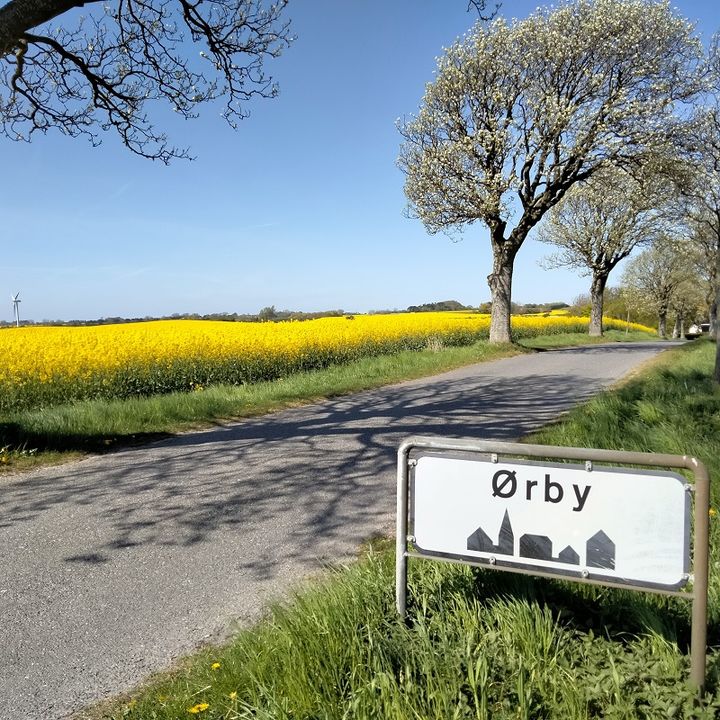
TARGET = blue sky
(301,207)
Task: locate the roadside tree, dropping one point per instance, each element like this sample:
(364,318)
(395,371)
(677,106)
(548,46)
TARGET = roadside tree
(706,242)
(519,112)
(686,305)
(599,223)
(656,275)
(620,304)
(699,207)
(106,69)
(699,186)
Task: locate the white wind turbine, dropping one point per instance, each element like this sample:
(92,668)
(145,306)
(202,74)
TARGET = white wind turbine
(16,309)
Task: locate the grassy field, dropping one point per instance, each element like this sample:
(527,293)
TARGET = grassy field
(478,644)
(58,432)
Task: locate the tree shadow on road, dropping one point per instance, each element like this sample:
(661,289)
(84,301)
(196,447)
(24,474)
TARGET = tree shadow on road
(297,484)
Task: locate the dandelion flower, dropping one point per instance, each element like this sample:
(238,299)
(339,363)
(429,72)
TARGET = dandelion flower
(200,707)
(215,666)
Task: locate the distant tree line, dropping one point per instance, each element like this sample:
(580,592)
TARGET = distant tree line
(442,306)
(271,314)
(266,314)
(526,308)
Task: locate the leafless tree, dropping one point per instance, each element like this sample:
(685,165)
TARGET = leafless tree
(105,69)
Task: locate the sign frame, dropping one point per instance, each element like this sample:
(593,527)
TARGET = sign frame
(495,558)
(492,451)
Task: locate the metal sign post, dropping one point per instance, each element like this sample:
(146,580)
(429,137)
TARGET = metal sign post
(486,504)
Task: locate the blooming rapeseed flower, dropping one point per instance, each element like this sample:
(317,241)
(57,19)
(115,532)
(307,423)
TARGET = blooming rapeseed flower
(50,365)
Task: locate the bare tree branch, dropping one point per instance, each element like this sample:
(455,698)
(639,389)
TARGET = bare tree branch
(109,70)
(481,8)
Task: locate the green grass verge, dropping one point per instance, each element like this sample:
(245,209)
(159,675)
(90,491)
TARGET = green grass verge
(673,409)
(478,644)
(31,437)
(549,342)
(50,435)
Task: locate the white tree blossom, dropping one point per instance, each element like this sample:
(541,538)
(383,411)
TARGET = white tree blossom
(599,223)
(520,111)
(659,273)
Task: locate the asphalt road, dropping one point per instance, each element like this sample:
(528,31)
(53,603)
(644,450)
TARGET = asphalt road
(113,566)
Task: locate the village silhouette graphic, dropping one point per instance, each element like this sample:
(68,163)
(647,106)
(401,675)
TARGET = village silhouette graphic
(600,549)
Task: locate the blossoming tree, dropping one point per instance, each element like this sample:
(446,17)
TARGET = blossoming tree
(521,111)
(701,191)
(658,274)
(599,223)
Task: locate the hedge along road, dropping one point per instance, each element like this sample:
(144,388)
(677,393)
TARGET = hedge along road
(113,566)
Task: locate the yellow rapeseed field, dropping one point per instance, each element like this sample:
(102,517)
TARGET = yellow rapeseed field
(50,365)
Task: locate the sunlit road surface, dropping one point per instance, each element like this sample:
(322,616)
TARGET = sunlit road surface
(116,565)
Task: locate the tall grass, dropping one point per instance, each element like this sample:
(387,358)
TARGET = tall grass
(477,644)
(675,409)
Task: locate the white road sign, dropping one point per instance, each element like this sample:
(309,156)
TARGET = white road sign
(620,525)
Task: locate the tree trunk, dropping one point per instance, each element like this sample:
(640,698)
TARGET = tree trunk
(500,282)
(676,328)
(19,16)
(662,323)
(597,289)
(713,319)
(716,374)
